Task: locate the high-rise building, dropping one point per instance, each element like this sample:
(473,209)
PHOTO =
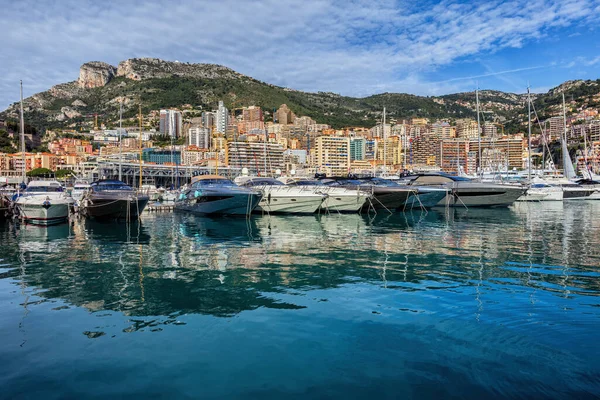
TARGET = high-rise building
(357,148)
(208,119)
(222,118)
(199,136)
(556,127)
(332,155)
(443,130)
(377,131)
(489,129)
(466,129)
(252,120)
(171,123)
(284,115)
(259,157)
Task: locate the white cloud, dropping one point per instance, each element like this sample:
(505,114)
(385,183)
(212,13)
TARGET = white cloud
(356,47)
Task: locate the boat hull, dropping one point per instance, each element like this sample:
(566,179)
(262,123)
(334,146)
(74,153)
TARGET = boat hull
(385,198)
(344,200)
(289,201)
(583,193)
(490,196)
(227,203)
(106,208)
(425,198)
(44,214)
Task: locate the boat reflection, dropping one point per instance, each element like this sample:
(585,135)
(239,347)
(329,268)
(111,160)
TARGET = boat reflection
(171,264)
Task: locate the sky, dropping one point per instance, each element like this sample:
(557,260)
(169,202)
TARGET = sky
(350,47)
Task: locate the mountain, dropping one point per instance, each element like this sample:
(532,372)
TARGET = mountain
(163,84)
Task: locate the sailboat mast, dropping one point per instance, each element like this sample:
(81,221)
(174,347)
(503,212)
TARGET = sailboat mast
(529,134)
(478,132)
(585,150)
(121,140)
(265,150)
(141,139)
(22,137)
(384,144)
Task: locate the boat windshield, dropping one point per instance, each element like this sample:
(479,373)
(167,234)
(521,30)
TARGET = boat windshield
(382,182)
(307,182)
(262,182)
(110,185)
(213,182)
(43,189)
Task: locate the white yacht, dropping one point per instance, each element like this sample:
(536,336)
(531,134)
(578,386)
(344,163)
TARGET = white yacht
(541,191)
(44,203)
(279,198)
(338,199)
(465,192)
(79,188)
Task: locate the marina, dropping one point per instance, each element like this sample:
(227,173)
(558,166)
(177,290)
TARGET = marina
(333,304)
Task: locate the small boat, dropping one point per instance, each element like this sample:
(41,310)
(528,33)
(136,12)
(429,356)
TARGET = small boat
(79,189)
(112,199)
(541,191)
(338,199)
(464,192)
(578,191)
(281,199)
(44,203)
(217,195)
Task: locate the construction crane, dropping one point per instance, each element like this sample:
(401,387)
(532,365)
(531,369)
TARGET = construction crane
(95,116)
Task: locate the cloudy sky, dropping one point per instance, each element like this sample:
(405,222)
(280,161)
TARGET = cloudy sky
(351,47)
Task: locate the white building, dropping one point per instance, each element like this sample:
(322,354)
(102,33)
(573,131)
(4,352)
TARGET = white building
(171,123)
(222,118)
(199,137)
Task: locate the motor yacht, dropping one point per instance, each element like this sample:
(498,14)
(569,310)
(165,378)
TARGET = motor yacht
(44,203)
(217,195)
(112,199)
(79,189)
(384,194)
(338,199)
(282,199)
(540,191)
(464,192)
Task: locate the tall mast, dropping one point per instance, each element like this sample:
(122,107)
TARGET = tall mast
(265,150)
(585,150)
(384,144)
(529,135)
(121,139)
(478,132)
(22,137)
(141,138)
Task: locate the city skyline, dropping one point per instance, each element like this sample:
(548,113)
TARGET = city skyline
(354,49)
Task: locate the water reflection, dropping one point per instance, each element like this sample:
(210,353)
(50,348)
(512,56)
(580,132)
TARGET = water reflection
(171,264)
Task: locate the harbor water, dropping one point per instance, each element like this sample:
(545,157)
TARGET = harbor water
(478,303)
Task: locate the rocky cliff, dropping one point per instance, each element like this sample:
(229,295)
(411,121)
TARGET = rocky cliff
(95,74)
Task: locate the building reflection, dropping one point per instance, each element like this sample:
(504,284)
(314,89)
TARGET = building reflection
(167,265)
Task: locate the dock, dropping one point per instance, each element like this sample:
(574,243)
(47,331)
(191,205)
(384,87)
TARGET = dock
(158,207)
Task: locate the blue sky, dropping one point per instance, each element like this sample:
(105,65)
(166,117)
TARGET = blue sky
(353,47)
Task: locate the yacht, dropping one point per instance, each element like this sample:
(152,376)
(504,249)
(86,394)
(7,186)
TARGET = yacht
(279,198)
(385,194)
(44,203)
(112,199)
(217,195)
(338,199)
(464,192)
(79,189)
(541,191)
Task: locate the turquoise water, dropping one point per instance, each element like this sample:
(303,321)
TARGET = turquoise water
(449,304)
